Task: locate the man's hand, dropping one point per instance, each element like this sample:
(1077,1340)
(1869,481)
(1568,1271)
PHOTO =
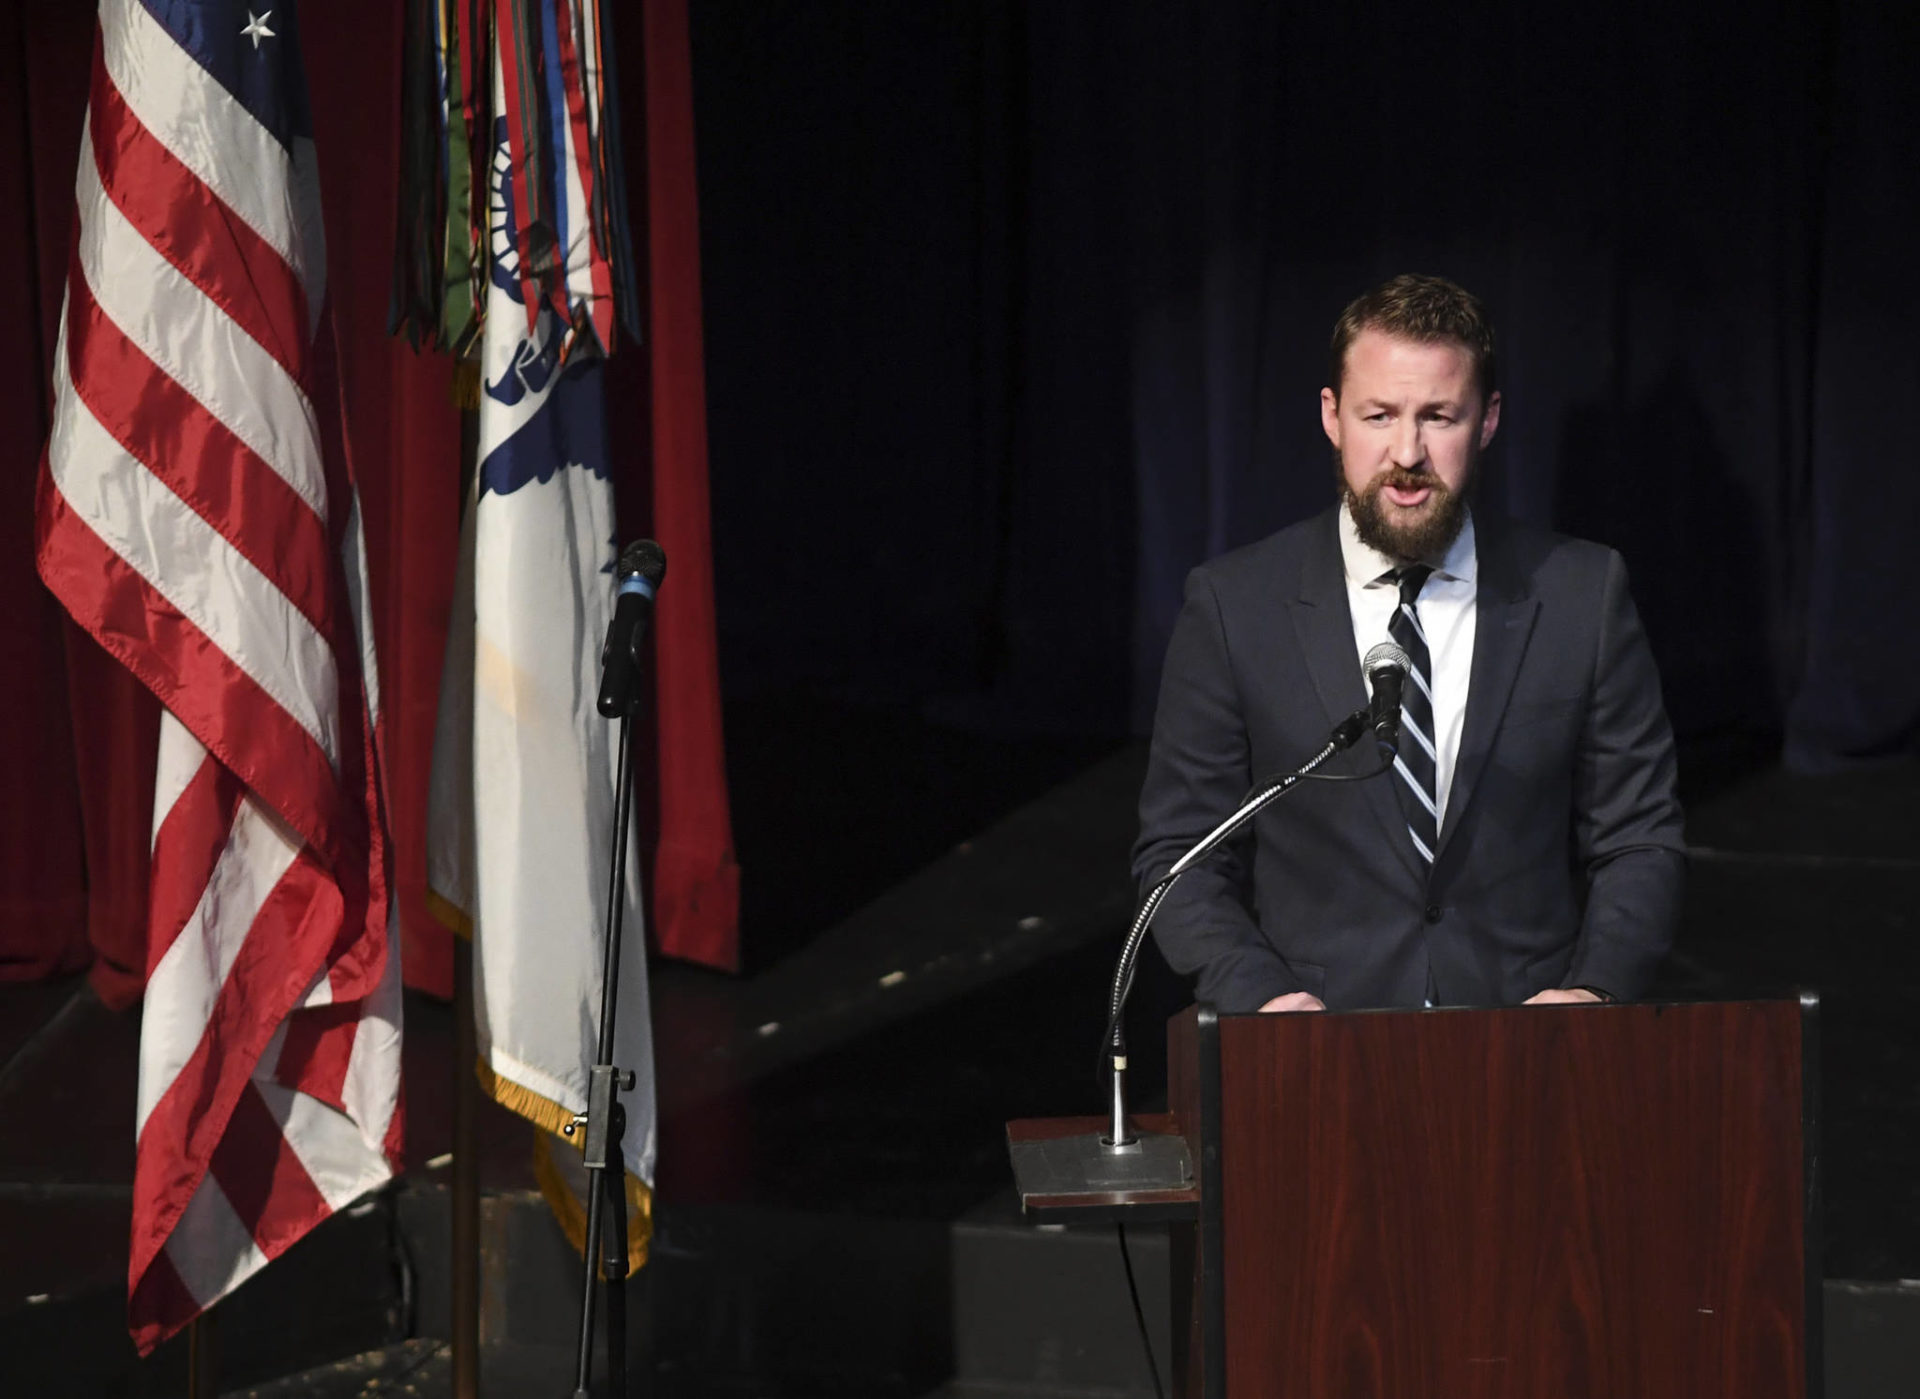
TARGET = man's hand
(1294,1000)
(1556,997)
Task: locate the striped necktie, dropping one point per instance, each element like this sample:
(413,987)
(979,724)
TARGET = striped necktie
(1418,760)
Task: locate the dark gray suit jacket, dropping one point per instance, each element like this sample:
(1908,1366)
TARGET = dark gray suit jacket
(1561,860)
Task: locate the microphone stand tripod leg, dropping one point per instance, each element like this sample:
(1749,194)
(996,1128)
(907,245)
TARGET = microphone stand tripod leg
(613,1257)
(590,1254)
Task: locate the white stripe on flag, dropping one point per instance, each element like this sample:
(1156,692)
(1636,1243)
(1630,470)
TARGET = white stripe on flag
(196,344)
(353,552)
(214,136)
(179,762)
(372,1088)
(239,609)
(184,986)
(320,993)
(211,1248)
(336,1156)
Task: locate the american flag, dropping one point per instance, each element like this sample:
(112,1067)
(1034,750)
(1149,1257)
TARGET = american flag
(197,516)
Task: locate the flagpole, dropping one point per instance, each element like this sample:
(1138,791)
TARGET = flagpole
(465,1244)
(466,1183)
(203,1359)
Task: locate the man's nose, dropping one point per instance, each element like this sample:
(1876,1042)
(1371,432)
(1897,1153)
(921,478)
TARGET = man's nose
(1407,448)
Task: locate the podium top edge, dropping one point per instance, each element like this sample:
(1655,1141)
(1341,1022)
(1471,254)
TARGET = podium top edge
(1808,1002)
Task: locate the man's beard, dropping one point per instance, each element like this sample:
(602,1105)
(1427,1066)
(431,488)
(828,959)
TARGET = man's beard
(1425,534)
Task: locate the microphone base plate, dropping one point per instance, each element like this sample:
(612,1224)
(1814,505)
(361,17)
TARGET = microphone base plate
(1088,1164)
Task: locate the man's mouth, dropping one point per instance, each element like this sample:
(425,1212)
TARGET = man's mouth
(1406,497)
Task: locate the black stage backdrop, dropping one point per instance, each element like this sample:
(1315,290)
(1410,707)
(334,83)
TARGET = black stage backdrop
(1017,312)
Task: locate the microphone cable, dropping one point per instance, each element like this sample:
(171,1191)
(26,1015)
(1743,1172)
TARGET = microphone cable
(1139,1312)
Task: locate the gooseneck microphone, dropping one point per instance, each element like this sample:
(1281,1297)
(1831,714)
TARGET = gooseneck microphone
(641,570)
(1386,666)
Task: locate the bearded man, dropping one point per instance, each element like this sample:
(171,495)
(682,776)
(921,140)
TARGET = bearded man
(1527,844)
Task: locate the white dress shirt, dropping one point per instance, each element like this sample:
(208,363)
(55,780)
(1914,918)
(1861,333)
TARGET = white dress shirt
(1446,613)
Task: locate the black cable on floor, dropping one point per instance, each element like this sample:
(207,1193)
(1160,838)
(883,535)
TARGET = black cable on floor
(1139,1312)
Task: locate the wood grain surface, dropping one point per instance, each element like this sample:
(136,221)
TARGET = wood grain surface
(1577,1202)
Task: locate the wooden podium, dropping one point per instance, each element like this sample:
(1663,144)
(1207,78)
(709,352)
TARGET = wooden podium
(1540,1202)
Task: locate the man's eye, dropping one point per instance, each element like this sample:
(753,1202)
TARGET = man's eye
(1375,418)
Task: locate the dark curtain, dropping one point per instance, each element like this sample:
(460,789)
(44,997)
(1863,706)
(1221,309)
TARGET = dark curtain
(1637,193)
(1021,311)
(1857,693)
(917,353)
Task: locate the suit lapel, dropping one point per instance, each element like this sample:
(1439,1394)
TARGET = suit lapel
(1323,623)
(1506,609)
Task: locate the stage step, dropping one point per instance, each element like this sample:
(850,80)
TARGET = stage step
(1048,1306)
(747,1301)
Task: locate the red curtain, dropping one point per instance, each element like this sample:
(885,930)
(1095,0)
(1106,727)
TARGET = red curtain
(696,884)
(78,735)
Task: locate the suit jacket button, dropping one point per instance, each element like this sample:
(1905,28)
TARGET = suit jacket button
(1433,913)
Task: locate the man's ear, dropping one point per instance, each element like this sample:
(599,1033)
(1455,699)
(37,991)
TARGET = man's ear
(1490,420)
(1330,415)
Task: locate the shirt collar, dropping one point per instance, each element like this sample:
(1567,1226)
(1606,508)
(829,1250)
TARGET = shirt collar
(1366,565)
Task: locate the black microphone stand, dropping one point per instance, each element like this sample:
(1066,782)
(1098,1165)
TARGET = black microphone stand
(1119,1138)
(605,1121)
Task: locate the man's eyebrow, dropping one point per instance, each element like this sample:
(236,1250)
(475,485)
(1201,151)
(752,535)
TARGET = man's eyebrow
(1438,405)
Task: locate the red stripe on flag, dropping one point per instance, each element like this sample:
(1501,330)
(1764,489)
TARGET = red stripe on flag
(220,704)
(186,848)
(266,981)
(316,1051)
(173,435)
(190,226)
(263,1178)
(158,1303)
(393,1146)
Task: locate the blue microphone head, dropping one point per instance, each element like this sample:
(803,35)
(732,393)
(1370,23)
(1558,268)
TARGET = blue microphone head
(642,568)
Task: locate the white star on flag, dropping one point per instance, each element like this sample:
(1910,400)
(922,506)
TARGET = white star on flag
(256,28)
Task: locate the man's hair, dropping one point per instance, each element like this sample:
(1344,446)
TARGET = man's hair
(1427,310)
